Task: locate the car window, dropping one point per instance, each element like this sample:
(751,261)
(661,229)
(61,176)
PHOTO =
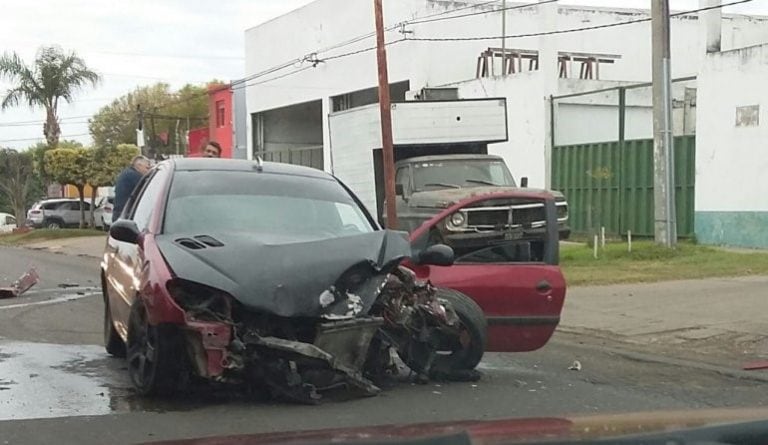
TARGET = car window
(10,220)
(275,205)
(51,205)
(402,178)
(145,204)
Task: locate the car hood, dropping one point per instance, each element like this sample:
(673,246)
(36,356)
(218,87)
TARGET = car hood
(710,426)
(441,199)
(289,277)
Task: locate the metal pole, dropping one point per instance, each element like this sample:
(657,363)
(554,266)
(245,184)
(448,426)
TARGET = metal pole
(665,230)
(622,132)
(385,109)
(504,38)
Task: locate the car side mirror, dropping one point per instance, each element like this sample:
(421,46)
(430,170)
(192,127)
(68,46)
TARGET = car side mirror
(524,182)
(124,230)
(435,255)
(399,190)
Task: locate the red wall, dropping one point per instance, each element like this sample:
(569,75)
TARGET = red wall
(220,122)
(197,139)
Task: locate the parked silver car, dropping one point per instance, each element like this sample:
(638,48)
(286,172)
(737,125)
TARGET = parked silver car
(56,213)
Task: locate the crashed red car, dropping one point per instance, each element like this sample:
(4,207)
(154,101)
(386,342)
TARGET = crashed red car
(275,275)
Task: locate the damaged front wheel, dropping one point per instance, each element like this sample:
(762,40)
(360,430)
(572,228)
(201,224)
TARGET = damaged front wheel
(452,355)
(155,354)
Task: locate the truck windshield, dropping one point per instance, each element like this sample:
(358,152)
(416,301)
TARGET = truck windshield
(433,175)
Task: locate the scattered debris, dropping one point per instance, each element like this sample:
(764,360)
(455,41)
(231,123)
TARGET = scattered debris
(23,284)
(576,366)
(66,285)
(756,365)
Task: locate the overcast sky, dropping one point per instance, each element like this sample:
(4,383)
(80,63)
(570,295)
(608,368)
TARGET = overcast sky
(139,42)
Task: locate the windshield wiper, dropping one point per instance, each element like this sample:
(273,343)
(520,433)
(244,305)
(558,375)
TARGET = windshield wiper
(442,184)
(481,181)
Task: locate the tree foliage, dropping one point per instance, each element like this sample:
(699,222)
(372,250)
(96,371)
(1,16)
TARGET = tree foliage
(163,108)
(104,166)
(70,166)
(54,75)
(17,181)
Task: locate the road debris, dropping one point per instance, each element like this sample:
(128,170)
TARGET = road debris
(23,284)
(68,285)
(756,365)
(576,366)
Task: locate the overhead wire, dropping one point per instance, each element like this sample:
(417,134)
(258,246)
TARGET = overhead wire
(570,30)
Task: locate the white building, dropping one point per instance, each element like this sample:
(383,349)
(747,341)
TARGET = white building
(732,148)
(324,52)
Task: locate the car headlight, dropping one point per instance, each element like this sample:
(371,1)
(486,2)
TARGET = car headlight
(562,211)
(457,220)
(200,301)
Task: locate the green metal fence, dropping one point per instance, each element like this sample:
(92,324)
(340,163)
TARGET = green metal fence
(610,184)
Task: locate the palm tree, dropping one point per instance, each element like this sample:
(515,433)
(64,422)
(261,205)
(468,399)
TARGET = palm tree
(54,75)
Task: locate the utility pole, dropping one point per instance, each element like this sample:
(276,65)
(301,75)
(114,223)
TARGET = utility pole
(665,223)
(504,38)
(385,109)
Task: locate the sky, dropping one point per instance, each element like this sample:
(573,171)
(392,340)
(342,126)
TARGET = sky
(140,42)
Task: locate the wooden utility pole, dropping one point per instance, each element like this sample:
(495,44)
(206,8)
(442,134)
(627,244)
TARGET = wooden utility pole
(385,110)
(504,38)
(665,223)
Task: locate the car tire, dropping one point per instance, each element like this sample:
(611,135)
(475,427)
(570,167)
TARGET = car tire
(458,360)
(155,354)
(114,345)
(53,224)
(104,225)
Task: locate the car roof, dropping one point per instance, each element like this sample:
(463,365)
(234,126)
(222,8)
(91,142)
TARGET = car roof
(46,201)
(217,164)
(6,214)
(459,157)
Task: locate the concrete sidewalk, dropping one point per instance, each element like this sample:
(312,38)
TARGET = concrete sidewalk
(717,319)
(90,246)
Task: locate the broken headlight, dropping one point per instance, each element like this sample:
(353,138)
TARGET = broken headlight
(201,302)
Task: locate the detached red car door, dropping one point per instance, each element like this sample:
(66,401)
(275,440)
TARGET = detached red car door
(516,282)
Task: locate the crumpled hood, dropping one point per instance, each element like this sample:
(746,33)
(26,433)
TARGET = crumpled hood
(287,277)
(445,198)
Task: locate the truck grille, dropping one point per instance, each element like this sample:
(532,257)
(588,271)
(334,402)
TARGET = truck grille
(497,217)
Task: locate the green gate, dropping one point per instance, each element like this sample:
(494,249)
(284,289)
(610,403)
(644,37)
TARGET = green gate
(610,184)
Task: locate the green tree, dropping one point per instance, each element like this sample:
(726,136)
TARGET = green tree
(70,166)
(165,112)
(104,166)
(17,181)
(54,75)
(38,154)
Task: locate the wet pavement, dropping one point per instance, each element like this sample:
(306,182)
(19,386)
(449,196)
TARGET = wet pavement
(58,385)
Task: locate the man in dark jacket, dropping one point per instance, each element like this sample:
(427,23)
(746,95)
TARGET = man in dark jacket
(126,182)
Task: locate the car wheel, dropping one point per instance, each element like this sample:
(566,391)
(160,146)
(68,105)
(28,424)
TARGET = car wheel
(52,224)
(456,355)
(114,345)
(104,225)
(155,354)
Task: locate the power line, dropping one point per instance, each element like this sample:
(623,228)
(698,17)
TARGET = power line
(43,137)
(166,56)
(35,124)
(42,121)
(565,31)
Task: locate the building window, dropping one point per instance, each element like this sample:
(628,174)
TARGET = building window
(220,113)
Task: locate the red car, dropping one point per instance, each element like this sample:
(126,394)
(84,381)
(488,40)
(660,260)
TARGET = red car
(239,271)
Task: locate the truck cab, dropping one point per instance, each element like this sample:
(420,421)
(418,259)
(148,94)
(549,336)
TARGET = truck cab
(426,185)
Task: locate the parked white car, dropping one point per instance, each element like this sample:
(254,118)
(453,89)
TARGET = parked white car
(7,223)
(103,214)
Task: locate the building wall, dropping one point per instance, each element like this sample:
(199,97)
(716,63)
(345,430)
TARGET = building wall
(240,124)
(731,155)
(220,127)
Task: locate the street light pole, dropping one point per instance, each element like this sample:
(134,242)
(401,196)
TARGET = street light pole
(385,110)
(665,224)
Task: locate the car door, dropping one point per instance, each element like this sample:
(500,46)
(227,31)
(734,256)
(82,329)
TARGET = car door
(124,260)
(522,299)
(7,223)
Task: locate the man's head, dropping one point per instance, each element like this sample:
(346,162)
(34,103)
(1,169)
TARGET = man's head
(212,150)
(141,164)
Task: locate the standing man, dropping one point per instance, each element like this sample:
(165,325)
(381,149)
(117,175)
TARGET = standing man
(126,182)
(212,150)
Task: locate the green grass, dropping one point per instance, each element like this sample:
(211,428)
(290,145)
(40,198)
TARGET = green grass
(649,262)
(14,239)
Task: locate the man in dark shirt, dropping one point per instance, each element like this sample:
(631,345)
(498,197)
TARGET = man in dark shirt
(126,182)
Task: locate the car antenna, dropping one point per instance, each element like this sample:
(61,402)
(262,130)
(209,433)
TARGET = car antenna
(259,163)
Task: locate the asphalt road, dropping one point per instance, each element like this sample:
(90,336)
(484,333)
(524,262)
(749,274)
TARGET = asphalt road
(57,385)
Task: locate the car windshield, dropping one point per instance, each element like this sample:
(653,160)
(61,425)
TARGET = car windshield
(203,202)
(430,175)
